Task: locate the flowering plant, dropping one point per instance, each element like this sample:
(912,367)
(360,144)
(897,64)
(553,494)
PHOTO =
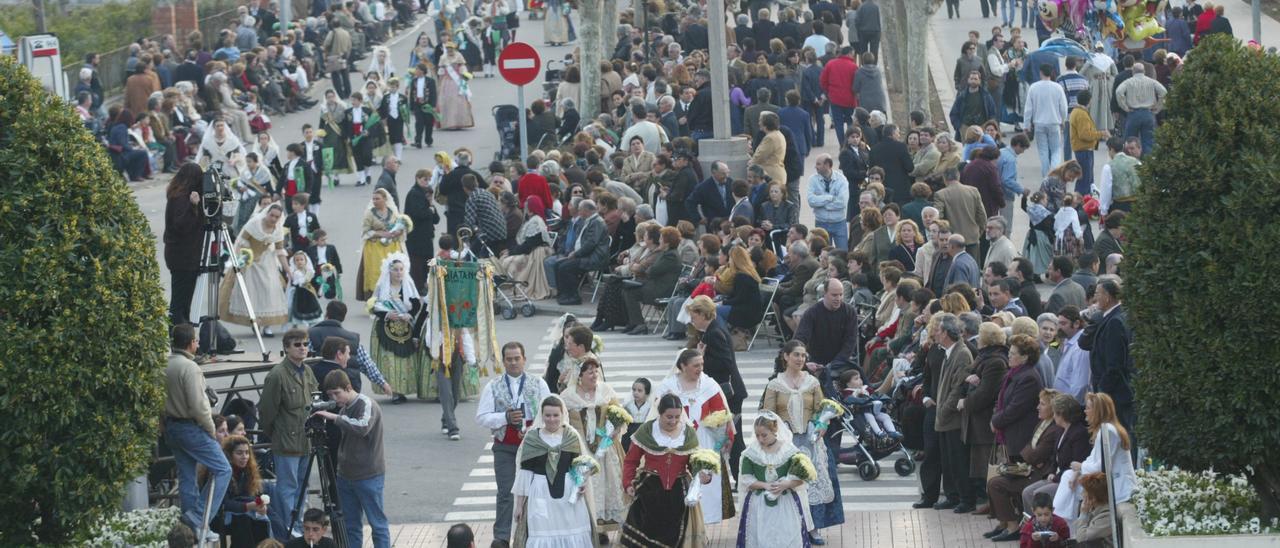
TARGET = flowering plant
(828,409)
(1179,502)
(148,528)
(583,467)
(702,460)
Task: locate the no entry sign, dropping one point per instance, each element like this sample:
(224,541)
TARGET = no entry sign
(519,63)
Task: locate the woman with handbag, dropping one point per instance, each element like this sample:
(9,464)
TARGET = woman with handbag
(978,403)
(1035,462)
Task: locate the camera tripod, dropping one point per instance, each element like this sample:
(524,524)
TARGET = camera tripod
(217,239)
(319,439)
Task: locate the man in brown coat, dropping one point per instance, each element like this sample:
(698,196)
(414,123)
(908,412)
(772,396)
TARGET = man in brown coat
(139,86)
(961,205)
(955,456)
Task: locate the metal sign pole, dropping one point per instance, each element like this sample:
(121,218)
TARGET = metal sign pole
(524,120)
(1107,452)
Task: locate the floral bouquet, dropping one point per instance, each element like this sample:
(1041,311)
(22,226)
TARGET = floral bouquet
(801,468)
(403,224)
(583,467)
(615,418)
(717,424)
(327,280)
(702,460)
(828,409)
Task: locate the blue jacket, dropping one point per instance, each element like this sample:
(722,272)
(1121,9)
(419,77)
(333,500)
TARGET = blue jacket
(801,126)
(708,197)
(1008,164)
(1179,34)
(810,84)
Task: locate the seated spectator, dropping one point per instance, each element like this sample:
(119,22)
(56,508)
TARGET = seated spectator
(589,252)
(243,515)
(132,159)
(1045,529)
(709,251)
(742,307)
(778,213)
(1032,463)
(611,311)
(1093,527)
(522,262)
(1074,446)
(656,280)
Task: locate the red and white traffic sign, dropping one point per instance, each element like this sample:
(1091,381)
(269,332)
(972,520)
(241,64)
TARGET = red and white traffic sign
(519,63)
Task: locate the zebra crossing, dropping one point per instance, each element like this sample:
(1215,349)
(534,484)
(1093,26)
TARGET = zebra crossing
(628,357)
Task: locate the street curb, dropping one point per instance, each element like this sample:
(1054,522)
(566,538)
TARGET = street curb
(938,68)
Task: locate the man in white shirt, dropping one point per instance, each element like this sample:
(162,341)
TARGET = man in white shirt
(1045,112)
(818,41)
(1073,367)
(507,407)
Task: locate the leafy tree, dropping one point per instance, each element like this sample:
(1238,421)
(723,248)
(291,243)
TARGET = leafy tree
(83,317)
(1204,248)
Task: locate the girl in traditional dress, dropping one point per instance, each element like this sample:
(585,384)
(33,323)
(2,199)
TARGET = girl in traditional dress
(543,515)
(381,64)
(221,145)
(470,42)
(304,305)
(423,51)
(657,475)
(383,234)
(269,154)
(795,395)
(702,396)
(366,133)
(773,501)
(396,308)
(557,29)
(334,151)
(523,263)
(455,93)
(264,236)
(586,398)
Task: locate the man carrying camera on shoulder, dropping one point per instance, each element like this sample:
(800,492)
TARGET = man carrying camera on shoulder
(286,393)
(361,467)
(189,431)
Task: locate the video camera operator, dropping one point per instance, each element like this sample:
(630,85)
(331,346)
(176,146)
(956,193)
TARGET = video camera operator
(335,353)
(286,393)
(189,432)
(361,467)
(183,237)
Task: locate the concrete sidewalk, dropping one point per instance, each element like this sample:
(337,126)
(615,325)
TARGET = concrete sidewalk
(898,529)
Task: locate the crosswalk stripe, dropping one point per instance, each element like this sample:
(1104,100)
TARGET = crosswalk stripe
(477,515)
(480,486)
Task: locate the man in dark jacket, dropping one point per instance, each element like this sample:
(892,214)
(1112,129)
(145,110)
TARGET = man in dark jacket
(891,155)
(334,314)
(974,105)
(868,25)
(1108,338)
(712,198)
(813,98)
(451,187)
(681,189)
(700,121)
(591,252)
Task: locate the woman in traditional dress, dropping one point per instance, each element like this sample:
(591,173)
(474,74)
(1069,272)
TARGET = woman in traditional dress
(557,29)
(334,151)
(221,145)
(455,92)
(543,515)
(587,397)
(523,263)
(269,154)
(383,234)
(702,396)
(795,395)
(773,500)
(264,236)
(396,308)
(656,473)
(304,305)
(382,63)
(423,50)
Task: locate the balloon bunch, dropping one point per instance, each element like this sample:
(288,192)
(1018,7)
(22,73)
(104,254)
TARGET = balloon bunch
(1131,23)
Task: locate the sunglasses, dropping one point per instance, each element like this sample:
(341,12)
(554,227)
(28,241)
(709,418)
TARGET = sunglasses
(300,344)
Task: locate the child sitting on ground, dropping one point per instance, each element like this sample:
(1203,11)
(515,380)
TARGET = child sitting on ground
(1044,529)
(315,531)
(854,394)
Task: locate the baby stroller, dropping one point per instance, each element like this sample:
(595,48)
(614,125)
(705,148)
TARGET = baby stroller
(868,448)
(507,117)
(551,78)
(510,292)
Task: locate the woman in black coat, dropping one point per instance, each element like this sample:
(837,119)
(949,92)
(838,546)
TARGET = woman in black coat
(719,363)
(742,308)
(1015,417)
(183,239)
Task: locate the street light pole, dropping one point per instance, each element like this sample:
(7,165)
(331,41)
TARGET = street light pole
(1257,21)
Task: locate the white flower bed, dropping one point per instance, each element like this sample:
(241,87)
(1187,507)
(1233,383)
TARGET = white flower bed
(1177,502)
(147,528)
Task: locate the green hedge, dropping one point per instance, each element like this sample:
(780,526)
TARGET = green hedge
(1201,265)
(83,318)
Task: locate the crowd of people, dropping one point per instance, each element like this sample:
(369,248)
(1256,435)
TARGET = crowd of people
(907,297)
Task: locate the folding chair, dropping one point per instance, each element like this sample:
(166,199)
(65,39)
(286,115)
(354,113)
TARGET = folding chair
(769,287)
(659,307)
(600,272)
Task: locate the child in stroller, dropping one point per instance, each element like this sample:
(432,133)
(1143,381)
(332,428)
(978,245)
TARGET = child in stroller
(867,407)
(869,424)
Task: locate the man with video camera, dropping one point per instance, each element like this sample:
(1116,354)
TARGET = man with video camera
(361,467)
(286,393)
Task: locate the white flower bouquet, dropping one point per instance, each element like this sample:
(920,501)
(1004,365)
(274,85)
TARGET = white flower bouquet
(828,409)
(702,460)
(583,467)
(717,423)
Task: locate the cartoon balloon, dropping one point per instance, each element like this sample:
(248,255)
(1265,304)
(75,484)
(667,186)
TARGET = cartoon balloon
(1051,13)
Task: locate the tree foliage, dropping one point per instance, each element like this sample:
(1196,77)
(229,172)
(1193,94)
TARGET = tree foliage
(83,29)
(1204,249)
(82,313)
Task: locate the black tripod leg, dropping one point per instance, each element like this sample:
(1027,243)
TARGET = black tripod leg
(328,482)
